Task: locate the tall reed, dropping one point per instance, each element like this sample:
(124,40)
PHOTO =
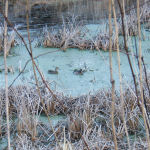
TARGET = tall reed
(146,121)
(120,76)
(6,74)
(111,75)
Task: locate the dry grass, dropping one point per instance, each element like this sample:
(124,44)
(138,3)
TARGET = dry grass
(88,123)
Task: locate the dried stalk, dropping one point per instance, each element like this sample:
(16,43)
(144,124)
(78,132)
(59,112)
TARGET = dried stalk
(146,77)
(146,122)
(126,48)
(111,76)
(120,77)
(6,74)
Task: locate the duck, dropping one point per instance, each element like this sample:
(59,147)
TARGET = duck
(53,71)
(79,71)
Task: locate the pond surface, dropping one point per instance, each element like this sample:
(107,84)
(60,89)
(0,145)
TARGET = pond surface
(96,63)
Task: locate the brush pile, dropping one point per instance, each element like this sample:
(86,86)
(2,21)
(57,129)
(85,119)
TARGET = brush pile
(87,124)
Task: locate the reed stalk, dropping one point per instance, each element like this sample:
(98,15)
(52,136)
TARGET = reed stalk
(120,77)
(6,74)
(111,76)
(1,117)
(146,121)
(127,51)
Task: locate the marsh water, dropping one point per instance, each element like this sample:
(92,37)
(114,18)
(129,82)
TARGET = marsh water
(95,78)
(92,13)
(97,75)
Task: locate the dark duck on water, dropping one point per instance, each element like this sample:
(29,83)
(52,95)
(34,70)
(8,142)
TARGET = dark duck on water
(80,71)
(53,71)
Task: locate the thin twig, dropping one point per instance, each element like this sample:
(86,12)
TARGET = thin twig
(35,75)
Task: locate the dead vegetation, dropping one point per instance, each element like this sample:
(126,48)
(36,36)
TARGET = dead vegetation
(88,118)
(131,20)
(11,41)
(87,124)
(74,34)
